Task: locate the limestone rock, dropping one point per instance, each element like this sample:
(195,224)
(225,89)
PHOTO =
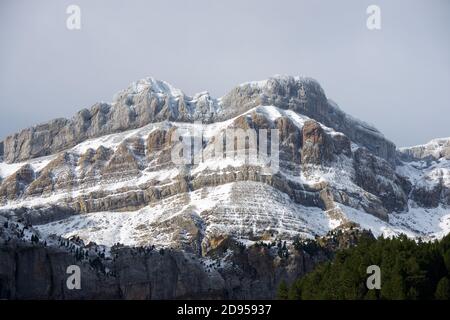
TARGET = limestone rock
(15,185)
(317,146)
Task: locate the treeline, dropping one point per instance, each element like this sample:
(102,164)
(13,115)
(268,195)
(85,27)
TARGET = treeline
(409,270)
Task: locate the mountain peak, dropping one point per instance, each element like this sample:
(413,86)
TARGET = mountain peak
(154,85)
(434,149)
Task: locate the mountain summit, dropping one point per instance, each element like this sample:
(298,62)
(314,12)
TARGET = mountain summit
(151,101)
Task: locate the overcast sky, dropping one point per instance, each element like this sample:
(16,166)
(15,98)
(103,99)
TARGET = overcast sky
(397,78)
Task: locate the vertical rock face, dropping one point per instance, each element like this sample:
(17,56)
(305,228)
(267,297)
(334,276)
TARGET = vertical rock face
(426,197)
(35,272)
(432,194)
(317,146)
(30,271)
(228,270)
(291,140)
(150,100)
(377,177)
(40,140)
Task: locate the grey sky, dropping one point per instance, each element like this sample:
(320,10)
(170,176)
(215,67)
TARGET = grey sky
(397,78)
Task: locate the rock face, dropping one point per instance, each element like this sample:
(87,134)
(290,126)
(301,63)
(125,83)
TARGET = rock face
(428,166)
(150,100)
(317,146)
(377,177)
(30,271)
(229,271)
(16,184)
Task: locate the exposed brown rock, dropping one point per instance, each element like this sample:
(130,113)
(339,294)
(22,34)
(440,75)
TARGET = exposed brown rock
(123,163)
(15,185)
(290,140)
(317,145)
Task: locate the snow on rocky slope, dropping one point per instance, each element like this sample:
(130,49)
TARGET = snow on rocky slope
(112,179)
(435,149)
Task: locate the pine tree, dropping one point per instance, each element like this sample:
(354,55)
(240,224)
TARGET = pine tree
(443,289)
(34,238)
(282,293)
(410,270)
(446,257)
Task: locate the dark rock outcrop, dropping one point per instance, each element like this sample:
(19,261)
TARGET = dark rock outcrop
(377,177)
(226,270)
(30,271)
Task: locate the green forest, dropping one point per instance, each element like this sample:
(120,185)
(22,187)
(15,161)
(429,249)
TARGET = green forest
(410,269)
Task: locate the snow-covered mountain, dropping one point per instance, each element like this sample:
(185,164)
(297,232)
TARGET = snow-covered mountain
(122,187)
(107,175)
(433,150)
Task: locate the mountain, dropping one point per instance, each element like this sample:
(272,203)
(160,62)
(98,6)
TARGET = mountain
(107,176)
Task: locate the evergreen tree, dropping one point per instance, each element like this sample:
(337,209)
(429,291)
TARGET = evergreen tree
(410,270)
(443,289)
(282,293)
(446,257)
